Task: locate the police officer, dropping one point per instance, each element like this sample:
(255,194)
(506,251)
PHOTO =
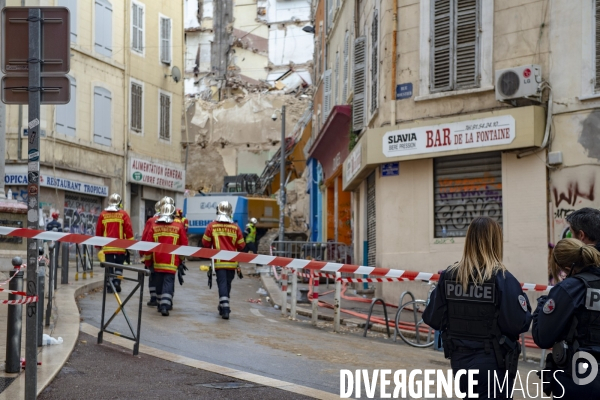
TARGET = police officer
(251,236)
(480,309)
(115,223)
(54,223)
(168,231)
(224,234)
(568,320)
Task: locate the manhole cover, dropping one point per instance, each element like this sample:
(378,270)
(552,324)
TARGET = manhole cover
(5,383)
(227,385)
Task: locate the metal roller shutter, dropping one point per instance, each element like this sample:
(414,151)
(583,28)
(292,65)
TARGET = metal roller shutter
(371,221)
(465,187)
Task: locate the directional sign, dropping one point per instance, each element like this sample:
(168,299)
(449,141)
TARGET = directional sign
(56,40)
(55,89)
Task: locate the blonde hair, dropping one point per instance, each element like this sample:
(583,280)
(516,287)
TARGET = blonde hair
(570,254)
(482,255)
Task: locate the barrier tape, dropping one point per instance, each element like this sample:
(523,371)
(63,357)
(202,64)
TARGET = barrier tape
(189,251)
(32,299)
(18,269)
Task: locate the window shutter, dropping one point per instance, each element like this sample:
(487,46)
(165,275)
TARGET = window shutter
(326,94)
(467,44)
(72,6)
(374,60)
(346,67)
(141,29)
(165,39)
(329,14)
(336,89)
(136,107)
(102,116)
(134,27)
(441,46)
(103,31)
(597,34)
(66,114)
(360,76)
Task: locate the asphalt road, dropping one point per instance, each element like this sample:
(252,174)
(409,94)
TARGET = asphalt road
(257,339)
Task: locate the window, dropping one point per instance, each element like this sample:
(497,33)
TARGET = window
(346,67)
(374,60)
(66,114)
(326,94)
(454,45)
(359,105)
(102,116)
(165,40)
(137,107)
(137,27)
(72,6)
(103,39)
(465,187)
(165,117)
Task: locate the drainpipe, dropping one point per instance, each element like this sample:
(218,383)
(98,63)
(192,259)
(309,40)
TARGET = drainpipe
(127,60)
(394,44)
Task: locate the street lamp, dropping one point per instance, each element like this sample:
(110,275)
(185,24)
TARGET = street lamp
(282,193)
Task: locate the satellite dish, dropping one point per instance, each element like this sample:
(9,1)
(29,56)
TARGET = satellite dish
(175,74)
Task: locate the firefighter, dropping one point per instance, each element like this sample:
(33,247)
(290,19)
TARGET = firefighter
(114,222)
(148,259)
(183,219)
(251,236)
(168,231)
(224,234)
(481,309)
(568,320)
(54,224)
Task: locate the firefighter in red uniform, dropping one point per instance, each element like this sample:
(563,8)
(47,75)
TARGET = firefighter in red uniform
(148,259)
(183,219)
(224,234)
(114,222)
(165,230)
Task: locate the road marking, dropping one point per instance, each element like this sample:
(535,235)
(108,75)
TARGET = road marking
(256,312)
(217,369)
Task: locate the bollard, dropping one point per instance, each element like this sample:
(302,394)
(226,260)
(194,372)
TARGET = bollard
(76,262)
(85,265)
(294,293)
(64,265)
(315,298)
(51,279)
(337,302)
(284,287)
(14,321)
(41,278)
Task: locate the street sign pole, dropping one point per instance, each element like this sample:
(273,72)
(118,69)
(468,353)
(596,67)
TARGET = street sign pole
(33,187)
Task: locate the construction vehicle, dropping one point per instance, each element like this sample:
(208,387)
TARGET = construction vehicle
(253,196)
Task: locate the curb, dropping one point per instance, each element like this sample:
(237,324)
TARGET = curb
(66,325)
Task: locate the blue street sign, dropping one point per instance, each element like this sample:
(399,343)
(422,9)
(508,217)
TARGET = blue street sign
(390,169)
(404,91)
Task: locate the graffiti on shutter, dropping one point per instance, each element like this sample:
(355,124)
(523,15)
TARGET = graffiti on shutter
(466,187)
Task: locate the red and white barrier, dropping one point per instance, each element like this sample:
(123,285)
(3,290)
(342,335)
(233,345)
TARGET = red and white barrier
(189,251)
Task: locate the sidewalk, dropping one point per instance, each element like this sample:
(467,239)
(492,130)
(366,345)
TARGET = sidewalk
(63,323)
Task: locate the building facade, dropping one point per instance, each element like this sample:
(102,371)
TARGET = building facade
(437,138)
(91,146)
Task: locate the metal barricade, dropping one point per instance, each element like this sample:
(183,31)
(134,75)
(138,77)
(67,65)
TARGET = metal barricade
(84,255)
(108,277)
(320,251)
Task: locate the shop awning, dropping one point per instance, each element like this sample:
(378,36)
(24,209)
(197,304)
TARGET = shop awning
(331,146)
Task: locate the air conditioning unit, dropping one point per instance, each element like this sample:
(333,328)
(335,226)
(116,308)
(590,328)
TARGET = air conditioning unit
(518,82)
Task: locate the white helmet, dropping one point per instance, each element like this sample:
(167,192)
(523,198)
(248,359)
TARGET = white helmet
(224,212)
(167,200)
(157,207)
(166,213)
(114,201)
(253,221)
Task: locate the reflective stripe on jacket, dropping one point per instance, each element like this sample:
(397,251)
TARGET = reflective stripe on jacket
(224,236)
(161,232)
(114,224)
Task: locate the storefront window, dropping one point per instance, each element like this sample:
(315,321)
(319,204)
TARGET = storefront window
(465,187)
